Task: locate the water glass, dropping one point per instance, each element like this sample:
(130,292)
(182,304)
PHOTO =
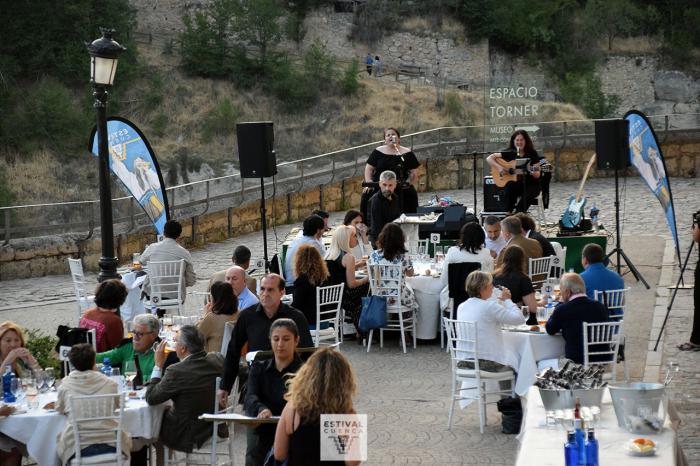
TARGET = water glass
(40,376)
(16,388)
(541,315)
(50,377)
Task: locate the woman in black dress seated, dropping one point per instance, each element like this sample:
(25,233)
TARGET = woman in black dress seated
(267,385)
(342,267)
(513,275)
(325,384)
(527,185)
(399,159)
(311,272)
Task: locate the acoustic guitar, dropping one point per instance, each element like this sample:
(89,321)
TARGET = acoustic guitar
(508,173)
(573,214)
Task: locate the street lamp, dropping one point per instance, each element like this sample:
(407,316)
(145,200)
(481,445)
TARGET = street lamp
(104,53)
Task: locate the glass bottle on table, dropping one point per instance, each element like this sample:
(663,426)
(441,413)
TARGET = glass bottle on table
(571,449)
(591,449)
(8,395)
(50,377)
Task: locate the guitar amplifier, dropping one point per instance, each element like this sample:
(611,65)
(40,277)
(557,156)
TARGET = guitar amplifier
(494,197)
(448,224)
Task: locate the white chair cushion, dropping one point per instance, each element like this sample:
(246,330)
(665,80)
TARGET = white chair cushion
(471,373)
(96,459)
(323,331)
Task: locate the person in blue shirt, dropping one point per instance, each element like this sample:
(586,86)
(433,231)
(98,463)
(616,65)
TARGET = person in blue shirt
(313,229)
(596,276)
(369,62)
(235,276)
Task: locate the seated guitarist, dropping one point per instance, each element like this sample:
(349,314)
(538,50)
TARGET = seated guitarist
(519,194)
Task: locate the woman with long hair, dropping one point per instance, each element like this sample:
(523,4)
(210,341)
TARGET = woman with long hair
(267,385)
(470,249)
(520,194)
(311,272)
(325,384)
(222,308)
(399,159)
(512,274)
(354,218)
(342,267)
(391,249)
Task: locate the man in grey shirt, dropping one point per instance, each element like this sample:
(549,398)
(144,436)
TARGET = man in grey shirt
(169,250)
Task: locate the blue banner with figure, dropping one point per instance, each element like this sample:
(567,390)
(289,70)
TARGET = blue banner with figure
(132,160)
(647,158)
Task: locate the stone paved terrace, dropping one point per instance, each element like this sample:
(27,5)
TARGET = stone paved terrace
(407,396)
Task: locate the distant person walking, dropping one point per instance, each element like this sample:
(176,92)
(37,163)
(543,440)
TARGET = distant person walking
(369,61)
(377,66)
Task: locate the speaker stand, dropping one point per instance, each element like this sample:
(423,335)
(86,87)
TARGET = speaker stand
(618,248)
(263,221)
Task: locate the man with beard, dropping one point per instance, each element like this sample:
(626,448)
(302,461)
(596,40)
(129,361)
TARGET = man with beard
(384,206)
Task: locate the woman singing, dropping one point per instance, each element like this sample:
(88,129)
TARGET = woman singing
(399,159)
(518,191)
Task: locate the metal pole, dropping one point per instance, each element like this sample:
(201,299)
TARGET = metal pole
(263,221)
(108,262)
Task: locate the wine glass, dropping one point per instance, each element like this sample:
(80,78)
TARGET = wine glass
(16,387)
(40,376)
(50,377)
(129,373)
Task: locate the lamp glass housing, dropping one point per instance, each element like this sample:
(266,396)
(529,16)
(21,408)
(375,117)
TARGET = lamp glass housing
(103,70)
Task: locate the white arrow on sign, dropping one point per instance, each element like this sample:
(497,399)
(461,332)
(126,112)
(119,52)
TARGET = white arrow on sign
(529,129)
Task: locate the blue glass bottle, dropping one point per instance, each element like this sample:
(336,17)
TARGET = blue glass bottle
(591,449)
(571,449)
(106,368)
(7,395)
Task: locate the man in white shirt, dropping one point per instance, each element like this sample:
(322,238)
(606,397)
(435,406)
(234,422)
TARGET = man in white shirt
(495,241)
(321,213)
(313,229)
(169,250)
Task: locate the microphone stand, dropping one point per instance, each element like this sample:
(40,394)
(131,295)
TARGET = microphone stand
(474,155)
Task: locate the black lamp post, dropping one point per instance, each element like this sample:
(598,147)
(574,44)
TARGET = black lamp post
(104,53)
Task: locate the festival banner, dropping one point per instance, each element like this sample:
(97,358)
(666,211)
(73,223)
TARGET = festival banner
(133,162)
(647,158)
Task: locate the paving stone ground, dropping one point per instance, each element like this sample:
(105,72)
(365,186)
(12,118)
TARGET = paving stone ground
(407,396)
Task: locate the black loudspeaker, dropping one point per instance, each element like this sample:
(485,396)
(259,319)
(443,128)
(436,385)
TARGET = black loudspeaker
(449,222)
(494,197)
(256,152)
(612,144)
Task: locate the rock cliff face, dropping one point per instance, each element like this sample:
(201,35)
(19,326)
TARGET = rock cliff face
(637,79)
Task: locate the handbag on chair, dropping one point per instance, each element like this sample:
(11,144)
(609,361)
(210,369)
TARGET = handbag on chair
(373,313)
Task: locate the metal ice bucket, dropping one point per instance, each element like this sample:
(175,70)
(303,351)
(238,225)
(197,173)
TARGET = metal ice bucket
(566,399)
(640,407)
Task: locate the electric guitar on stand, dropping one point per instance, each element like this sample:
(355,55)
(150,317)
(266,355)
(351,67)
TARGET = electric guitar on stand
(573,214)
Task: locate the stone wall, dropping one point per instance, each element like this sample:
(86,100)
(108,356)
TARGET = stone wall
(41,256)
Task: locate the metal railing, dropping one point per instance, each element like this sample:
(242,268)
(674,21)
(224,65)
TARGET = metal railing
(194,199)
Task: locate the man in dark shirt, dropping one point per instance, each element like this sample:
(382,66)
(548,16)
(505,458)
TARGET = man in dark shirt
(569,316)
(384,206)
(253,327)
(530,231)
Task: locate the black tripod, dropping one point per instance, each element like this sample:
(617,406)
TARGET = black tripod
(263,221)
(618,247)
(673,296)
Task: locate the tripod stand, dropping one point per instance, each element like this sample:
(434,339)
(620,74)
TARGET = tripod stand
(263,221)
(673,296)
(618,245)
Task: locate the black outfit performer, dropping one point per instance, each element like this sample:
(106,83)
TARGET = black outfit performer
(521,194)
(694,343)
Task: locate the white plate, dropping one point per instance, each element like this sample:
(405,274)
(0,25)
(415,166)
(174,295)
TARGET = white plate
(632,451)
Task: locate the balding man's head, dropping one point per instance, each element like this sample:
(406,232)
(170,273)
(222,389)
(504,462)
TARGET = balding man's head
(235,276)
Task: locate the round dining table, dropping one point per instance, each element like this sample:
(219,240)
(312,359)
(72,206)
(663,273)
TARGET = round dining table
(38,428)
(426,289)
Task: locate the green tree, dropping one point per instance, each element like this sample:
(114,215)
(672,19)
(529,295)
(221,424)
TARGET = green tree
(319,66)
(256,22)
(612,18)
(349,84)
(585,92)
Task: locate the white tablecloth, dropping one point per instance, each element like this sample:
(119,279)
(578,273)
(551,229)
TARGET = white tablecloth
(133,305)
(427,291)
(523,351)
(542,446)
(38,429)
